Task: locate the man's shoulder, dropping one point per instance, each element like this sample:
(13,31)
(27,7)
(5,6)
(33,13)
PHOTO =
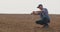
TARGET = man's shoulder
(44,8)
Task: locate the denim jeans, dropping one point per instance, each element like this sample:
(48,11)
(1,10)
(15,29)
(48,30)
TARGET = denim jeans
(43,21)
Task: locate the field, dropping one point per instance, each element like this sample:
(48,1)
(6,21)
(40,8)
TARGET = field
(26,23)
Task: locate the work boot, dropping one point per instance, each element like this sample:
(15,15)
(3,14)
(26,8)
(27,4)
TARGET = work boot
(46,26)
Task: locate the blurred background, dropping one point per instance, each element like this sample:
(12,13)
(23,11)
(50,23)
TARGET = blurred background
(27,6)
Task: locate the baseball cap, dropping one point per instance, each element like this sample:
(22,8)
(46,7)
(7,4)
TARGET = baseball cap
(39,5)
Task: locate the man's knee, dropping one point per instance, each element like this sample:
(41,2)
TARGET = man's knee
(39,22)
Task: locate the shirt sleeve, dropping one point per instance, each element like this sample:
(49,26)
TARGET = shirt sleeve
(46,11)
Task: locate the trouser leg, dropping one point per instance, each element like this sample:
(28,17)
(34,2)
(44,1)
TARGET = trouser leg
(39,22)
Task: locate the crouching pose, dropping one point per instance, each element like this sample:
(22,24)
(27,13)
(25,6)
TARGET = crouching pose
(45,20)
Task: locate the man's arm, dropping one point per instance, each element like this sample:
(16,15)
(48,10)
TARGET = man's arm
(35,12)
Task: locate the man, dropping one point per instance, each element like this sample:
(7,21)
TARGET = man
(44,16)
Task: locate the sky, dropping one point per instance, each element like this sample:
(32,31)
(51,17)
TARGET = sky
(27,6)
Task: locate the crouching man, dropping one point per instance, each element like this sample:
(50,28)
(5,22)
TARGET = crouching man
(45,19)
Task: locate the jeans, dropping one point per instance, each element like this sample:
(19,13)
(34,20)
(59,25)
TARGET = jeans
(43,21)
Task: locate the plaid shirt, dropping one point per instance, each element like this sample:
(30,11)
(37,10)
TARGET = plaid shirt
(44,13)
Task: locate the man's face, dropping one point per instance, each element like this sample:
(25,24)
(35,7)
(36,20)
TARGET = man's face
(40,7)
